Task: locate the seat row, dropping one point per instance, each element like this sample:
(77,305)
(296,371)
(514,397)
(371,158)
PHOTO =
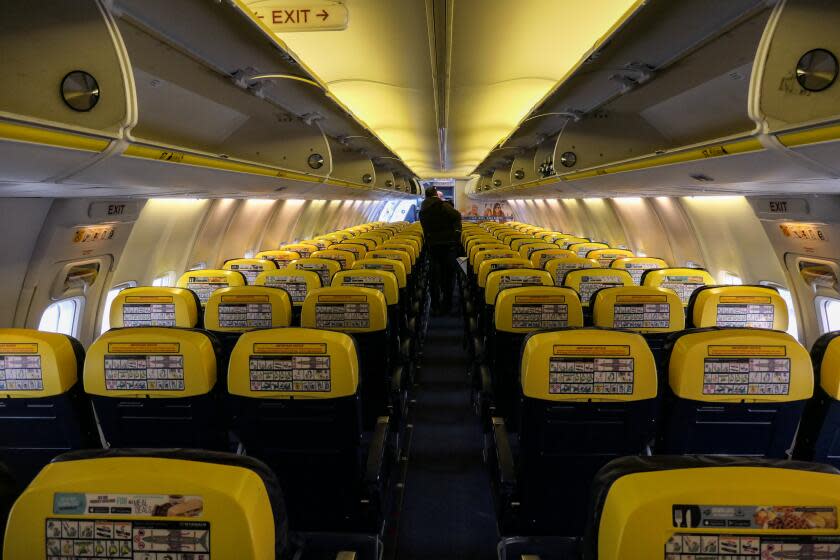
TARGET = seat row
(154,505)
(320,407)
(293,398)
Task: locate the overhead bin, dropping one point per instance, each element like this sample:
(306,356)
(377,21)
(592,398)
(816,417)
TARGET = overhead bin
(238,116)
(523,168)
(351,166)
(731,97)
(51,47)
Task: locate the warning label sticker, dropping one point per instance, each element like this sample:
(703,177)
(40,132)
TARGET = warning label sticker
(295,286)
(244,315)
(322,270)
(290,373)
(606,259)
(342,315)
(752,312)
(603,376)
(281,260)
(563,269)
(144,372)
(518,281)
(591,284)
(540,315)
(683,285)
(636,270)
(641,315)
(137,540)
(545,257)
(250,271)
(204,286)
(501,266)
(149,315)
(21,372)
(374,282)
(746,376)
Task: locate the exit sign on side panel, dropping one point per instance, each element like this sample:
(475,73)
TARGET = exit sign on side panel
(287,16)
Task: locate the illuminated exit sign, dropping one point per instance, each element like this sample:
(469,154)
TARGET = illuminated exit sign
(284,16)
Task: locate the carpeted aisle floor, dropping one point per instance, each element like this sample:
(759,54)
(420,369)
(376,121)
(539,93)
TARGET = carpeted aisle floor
(447,510)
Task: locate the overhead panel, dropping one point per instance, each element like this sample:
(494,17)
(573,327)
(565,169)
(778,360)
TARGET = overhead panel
(507,56)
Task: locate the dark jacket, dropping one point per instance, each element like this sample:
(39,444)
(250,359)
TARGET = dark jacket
(441,222)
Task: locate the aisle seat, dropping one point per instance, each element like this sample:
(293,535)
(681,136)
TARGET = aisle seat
(385,282)
(325,268)
(637,266)
(394,245)
(295,401)
(43,410)
(561,265)
(279,258)
(157,387)
(500,280)
(517,312)
(362,313)
(150,505)
(305,250)
(758,307)
(250,268)
(605,257)
(481,255)
(487,266)
(734,392)
(540,257)
(344,258)
(582,249)
(682,280)
(153,306)
(819,434)
(205,281)
(713,508)
(588,396)
(394,255)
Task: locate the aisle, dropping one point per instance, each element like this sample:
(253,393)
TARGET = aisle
(447,510)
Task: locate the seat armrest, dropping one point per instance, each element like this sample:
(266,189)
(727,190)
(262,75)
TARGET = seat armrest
(397,379)
(504,456)
(376,453)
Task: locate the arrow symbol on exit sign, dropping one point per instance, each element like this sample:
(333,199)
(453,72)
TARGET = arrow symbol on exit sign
(323,15)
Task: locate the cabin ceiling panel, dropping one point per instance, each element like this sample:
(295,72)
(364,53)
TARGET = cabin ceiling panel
(380,68)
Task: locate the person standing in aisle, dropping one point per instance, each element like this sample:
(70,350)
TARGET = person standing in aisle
(441,226)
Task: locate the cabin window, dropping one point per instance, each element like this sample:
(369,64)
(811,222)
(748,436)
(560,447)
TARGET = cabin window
(829,311)
(165,280)
(105,324)
(793,324)
(730,279)
(62,316)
